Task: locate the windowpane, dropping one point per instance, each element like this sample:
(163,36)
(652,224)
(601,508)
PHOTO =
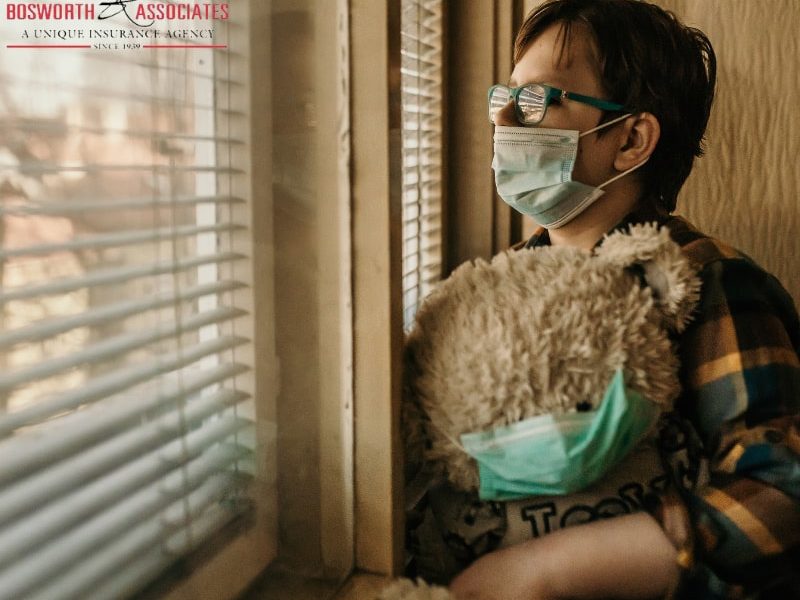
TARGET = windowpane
(127,411)
(421,83)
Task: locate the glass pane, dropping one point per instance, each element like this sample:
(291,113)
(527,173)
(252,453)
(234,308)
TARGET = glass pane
(421,85)
(127,405)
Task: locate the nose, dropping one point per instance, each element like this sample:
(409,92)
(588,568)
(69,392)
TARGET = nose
(507,116)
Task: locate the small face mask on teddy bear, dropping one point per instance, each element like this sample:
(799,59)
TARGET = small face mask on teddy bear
(572,451)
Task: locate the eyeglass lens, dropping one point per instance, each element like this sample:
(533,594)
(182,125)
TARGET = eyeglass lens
(498,98)
(530,102)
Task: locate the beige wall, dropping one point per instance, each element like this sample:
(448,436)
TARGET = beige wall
(745,190)
(479,40)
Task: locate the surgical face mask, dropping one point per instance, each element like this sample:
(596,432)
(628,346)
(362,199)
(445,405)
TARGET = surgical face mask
(550,455)
(533,172)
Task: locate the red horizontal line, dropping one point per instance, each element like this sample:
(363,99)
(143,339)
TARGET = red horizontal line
(46,46)
(184,46)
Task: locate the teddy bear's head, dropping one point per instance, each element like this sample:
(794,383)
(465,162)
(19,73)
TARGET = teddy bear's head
(542,331)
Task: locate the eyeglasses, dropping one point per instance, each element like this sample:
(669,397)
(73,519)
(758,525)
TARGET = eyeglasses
(531,101)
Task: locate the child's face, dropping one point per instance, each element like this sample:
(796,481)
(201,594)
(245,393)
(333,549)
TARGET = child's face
(574,71)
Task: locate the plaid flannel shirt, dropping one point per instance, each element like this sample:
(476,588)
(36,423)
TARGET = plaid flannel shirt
(738,530)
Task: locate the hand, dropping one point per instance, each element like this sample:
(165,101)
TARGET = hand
(626,557)
(509,574)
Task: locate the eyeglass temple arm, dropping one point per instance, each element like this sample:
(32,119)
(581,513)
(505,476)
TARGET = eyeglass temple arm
(602,104)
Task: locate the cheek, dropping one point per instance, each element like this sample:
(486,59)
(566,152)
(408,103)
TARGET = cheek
(558,118)
(591,163)
(570,115)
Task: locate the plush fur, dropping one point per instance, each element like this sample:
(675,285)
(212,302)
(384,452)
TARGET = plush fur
(542,331)
(405,589)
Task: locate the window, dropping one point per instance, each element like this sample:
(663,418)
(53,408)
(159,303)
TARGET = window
(127,404)
(421,85)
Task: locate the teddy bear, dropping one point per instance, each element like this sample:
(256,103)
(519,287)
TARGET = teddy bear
(531,333)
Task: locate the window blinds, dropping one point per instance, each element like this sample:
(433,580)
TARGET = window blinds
(421,90)
(126,439)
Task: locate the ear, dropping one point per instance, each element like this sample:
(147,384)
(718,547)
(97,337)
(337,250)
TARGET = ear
(668,273)
(640,134)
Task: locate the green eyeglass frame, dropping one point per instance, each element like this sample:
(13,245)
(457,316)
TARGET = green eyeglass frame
(532,99)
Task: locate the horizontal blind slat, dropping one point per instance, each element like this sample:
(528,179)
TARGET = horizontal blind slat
(110,383)
(41,168)
(130,62)
(140,567)
(413,45)
(61,87)
(41,567)
(421,109)
(115,346)
(9,126)
(20,540)
(50,483)
(140,552)
(422,62)
(433,216)
(117,239)
(48,328)
(36,449)
(114,275)
(67,206)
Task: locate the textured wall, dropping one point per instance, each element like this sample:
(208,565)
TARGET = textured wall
(745,190)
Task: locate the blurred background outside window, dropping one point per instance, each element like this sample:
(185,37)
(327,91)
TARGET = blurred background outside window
(127,414)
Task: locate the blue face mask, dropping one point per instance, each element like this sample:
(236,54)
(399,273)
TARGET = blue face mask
(533,172)
(549,455)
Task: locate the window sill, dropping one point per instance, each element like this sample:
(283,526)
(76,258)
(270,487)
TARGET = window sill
(361,586)
(278,584)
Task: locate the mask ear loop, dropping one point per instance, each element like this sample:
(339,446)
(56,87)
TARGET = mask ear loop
(603,126)
(631,170)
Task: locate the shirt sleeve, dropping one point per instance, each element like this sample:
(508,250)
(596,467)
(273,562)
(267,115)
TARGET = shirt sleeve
(739,532)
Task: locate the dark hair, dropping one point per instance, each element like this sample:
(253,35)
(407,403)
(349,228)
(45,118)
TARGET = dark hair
(649,62)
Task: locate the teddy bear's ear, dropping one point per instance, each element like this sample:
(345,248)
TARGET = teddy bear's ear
(649,250)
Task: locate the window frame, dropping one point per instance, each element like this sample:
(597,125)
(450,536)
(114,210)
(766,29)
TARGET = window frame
(377,284)
(233,570)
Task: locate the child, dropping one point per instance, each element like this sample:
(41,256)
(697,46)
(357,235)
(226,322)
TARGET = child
(631,89)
